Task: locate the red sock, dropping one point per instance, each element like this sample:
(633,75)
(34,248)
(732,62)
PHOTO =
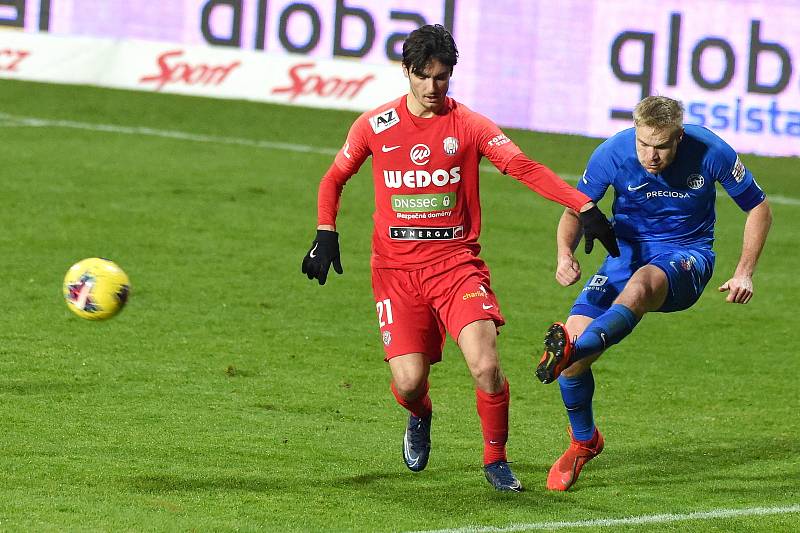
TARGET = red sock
(419,407)
(493,412)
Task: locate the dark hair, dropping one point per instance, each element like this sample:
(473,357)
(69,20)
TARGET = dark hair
(427,43)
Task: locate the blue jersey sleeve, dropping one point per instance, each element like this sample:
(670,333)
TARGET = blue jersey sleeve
(738,181)
(599,173)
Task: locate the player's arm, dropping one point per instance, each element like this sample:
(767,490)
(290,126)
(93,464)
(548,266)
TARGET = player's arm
(509,159)
(756,228)
(540,179)
(742,187)
(324,250)
(546,183)
(568,235)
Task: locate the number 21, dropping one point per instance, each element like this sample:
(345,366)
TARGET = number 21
(380,306)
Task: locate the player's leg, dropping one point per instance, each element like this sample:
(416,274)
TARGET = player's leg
(645,291)
(477,341)
(596,297)
(412,341)
(478,344)
(459,290)
(684,275)
(410,388)
(576,385)
(410,383)
(671,281)
(575,378)
(575,326)
(615,301)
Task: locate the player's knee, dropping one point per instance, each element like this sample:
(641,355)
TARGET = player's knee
(580,366)
(637,295)
(486,372)
(409,386)
(634,291)
(646,290)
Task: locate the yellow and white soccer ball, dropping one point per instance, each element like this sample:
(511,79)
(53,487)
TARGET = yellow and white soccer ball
(96,288)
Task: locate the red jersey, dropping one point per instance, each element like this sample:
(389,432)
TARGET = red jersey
(425,172)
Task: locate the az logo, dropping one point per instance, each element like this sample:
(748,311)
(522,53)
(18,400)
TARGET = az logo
(384,121)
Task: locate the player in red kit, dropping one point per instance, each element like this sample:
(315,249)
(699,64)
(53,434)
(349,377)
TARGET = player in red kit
(427,277)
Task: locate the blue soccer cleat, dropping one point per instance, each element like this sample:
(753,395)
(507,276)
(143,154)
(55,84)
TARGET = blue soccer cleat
(501,477)
(417,442)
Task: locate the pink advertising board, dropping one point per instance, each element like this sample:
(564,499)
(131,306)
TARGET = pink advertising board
(573,66)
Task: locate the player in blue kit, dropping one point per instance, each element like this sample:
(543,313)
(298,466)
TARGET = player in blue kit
(663,175)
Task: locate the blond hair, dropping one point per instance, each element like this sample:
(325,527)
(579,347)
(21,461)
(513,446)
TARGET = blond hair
(658,112)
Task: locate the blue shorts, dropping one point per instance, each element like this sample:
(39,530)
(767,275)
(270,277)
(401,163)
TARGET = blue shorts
(688,271)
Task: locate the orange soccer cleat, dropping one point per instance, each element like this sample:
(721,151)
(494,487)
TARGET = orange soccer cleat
(564,472)
(557,353)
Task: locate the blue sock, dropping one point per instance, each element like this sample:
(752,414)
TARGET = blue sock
(604,331)
(577,394)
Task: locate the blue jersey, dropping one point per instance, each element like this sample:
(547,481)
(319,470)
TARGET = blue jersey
(676,206)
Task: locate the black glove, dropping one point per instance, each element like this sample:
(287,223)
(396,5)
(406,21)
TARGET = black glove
(597,226)
(324,251)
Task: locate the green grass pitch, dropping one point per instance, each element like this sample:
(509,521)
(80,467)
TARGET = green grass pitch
(234,394)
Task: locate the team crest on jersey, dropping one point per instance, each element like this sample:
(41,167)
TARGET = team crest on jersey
(420,154)
(387,338)
(450,145)
(384,121)
(738,170)
(695,181)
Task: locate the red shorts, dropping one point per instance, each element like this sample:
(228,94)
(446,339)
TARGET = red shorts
(417,307)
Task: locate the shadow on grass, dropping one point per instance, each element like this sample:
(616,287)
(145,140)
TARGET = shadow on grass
(164,483)
(737,467)
(161,483)
(741,469)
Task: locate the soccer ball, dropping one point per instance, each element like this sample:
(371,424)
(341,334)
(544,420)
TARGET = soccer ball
(96,288)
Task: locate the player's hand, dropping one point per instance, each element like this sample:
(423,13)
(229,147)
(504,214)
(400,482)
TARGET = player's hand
(740,287)
(597,226)
(568,270)
(324,251)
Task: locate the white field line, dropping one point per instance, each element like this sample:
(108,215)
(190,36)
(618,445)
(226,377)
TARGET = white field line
(7,120)
(632,520)
(15,120)
(784,200)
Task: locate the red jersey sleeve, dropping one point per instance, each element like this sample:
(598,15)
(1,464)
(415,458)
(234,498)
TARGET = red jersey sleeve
(356,147)
(509,159)
(347,162)
(544,181)
(330,191)
(492,143)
